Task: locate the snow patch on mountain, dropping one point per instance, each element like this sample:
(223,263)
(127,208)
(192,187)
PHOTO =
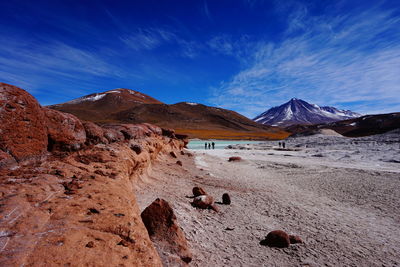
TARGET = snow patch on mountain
(93,97)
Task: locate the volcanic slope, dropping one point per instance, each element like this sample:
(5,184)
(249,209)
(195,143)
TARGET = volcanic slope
(195,120)
(99,107)
(297,111)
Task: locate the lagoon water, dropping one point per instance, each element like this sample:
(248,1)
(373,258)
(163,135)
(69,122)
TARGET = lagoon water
(219,144)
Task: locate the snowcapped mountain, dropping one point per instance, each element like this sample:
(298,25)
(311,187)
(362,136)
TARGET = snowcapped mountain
(297,111)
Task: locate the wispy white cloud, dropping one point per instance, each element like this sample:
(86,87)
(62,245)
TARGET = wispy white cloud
(153,38)
(351,61)
(206,11)
(32,66)
(240,47)
(148,39)
(222,44)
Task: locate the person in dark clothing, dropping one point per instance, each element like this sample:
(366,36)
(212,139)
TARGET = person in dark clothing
(205,145)
(279,144)
(209,146)
(213,145)
(283,144)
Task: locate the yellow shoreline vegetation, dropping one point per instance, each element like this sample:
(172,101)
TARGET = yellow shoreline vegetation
(233,135)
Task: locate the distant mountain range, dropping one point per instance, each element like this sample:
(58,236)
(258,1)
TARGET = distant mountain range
(297,111)
(196,120)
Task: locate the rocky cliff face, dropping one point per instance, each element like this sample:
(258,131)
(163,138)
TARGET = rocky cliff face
(66,187)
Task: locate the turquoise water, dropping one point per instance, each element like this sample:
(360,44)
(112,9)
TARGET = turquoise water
(219,144)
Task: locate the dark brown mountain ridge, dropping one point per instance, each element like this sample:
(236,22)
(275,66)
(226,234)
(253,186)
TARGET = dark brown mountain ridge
(196,120)
(358,127)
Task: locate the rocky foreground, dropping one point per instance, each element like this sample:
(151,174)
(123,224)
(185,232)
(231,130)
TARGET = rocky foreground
(67,189)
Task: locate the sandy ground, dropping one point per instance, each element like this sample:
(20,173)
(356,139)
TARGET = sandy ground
(346,209)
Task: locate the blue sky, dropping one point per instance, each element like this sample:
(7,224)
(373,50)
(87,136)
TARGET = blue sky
(244,55)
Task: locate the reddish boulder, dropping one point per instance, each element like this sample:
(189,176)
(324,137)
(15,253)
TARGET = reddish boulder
(295,239)
(164,231)
(198,191)
(277,238)
(234,159)
(23,130)
(203,202)
(226,199)
(179,163)
(65,131)
(94,133)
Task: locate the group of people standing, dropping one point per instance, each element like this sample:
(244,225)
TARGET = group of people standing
(209,145)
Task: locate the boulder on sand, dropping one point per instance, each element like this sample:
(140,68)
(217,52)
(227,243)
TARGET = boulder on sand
(164,231)
(226,199)
(204,202)
(179,163)
(234,159)
(198,191)
(277,238)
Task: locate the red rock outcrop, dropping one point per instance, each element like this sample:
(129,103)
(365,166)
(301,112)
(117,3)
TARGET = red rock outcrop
(164,231)
(23,130)
(94,133)
(277,238)
(65,131)
(168,132)
(75,208)
(112,135)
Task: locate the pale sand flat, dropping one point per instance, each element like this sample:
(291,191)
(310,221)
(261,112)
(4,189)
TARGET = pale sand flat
(347,212)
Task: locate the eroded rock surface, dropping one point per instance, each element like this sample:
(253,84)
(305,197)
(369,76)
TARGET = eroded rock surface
(75,204)
(65,131)
(164,231)
(23,130)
